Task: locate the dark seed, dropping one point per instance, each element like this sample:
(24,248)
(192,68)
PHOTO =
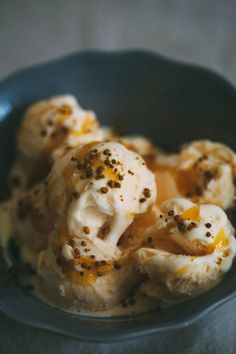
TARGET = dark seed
(75,195)
(86,230)
(147,192)
(171,213)
(72,243)
(104,190)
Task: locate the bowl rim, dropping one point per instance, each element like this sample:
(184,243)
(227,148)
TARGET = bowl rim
(113,53)
(112,336)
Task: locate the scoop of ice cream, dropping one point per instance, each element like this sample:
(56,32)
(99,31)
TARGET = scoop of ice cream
(50,127)
(98,189)
(94,193)
(188,250)
(206,173)
(203,172)
(47,124)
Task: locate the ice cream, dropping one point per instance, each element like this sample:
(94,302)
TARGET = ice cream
(203,172)
(103,186)
(48,128)
(97,215)
(206,173)
(188,251)
(95,191)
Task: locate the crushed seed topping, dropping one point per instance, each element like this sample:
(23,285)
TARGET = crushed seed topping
(104,230)
(43,132)
(147,193)
(72,243)
(75,195)
(107,152)
(191,226)
(77,251)
(86,230)
(104,190)
(181,226)
(171,213)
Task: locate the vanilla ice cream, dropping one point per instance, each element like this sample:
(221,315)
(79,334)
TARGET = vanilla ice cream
(50,127)
(188,251)
(206,173)
(94,192)
(98,215)
(103,186)
(203,172)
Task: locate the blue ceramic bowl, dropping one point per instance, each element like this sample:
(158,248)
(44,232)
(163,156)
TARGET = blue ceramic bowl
(140,92)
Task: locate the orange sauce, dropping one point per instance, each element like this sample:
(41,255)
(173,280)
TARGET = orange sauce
(87,277)
(166,180)
(166,185)
(221,242)
(181,270)
(74,276)
(186,181)
(191,214)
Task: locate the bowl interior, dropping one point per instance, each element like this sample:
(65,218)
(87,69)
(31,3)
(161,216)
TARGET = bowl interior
(138,93)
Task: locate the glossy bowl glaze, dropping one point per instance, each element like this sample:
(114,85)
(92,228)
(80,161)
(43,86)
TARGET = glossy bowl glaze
(138,92)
